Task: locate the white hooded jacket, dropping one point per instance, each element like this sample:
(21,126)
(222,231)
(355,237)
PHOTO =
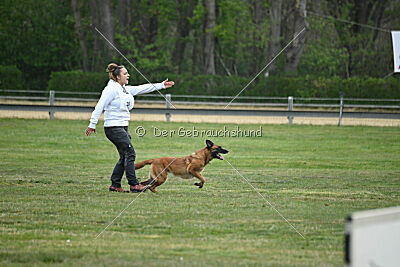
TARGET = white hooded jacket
(117,101)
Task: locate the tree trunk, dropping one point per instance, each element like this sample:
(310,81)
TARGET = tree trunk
(296,49)
(123,12)
(194,54)
(108,25)
(318,7)
(209,45)
(275,35)
(257,33)
(95,20)
(185,11)
(378,14)
(152,29)
(129,17)
(81,35)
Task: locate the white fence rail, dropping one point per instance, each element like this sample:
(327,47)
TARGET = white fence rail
(388,108)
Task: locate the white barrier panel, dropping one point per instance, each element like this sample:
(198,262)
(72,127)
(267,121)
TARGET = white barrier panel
(396,50)
(373,238)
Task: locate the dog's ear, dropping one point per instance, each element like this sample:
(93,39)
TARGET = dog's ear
(209,144)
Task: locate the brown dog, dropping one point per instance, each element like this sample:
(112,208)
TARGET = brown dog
(186,167)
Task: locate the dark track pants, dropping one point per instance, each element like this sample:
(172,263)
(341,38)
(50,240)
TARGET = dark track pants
(121,138)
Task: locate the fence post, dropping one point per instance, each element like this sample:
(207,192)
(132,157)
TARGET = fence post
(168,100)
(51,100)
(290,108)
(341,108)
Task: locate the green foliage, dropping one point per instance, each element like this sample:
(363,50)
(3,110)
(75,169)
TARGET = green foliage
(198,14)
(149,44)
(372,87)
(38,37)
(327,87)
(10,77)
(369,51)
(322,59)
(289,86)
(240,38)
(77,81)
(186,84)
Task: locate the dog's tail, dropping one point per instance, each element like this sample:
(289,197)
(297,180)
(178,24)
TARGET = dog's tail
(141,164)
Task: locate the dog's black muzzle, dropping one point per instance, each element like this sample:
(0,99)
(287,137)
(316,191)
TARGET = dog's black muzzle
(218,152)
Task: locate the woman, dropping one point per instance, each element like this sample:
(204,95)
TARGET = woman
(117,100)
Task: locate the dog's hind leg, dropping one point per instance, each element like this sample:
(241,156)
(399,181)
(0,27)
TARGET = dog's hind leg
(160,176)
(148,181)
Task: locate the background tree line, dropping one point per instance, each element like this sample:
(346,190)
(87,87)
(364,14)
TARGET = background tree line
(227,38)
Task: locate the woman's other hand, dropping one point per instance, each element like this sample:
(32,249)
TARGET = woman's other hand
(89,131)
(168,84)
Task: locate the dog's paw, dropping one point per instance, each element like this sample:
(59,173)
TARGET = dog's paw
(199,185)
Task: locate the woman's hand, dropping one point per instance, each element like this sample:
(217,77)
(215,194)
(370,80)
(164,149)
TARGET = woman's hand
(89,131)
(168,84)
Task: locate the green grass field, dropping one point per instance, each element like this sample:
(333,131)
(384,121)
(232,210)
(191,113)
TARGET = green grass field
(55,200)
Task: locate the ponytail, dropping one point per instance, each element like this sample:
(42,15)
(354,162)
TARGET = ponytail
(114,70)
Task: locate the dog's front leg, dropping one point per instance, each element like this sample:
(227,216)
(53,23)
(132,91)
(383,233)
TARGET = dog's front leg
(200,177)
